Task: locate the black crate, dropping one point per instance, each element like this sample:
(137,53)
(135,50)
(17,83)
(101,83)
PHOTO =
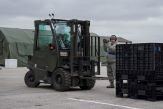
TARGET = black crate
(140,91)
(144,56)
(150,91)
(139,84)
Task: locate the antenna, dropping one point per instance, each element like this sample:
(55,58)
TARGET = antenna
(51,15)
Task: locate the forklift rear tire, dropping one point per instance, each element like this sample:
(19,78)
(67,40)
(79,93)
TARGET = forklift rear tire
(30,80)
(61,80)
(87,84)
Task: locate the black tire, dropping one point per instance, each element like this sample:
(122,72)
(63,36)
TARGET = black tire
(30,80)
(61,80)
(87,84)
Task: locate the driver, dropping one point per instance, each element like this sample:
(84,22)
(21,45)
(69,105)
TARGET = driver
(60,41)
(66,40)
(63,37)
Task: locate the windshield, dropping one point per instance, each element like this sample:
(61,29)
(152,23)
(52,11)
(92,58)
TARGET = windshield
(62,31)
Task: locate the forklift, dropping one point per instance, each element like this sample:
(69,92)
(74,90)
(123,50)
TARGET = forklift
(64,55)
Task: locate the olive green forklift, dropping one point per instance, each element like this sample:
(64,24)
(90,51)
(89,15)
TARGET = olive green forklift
(64,55)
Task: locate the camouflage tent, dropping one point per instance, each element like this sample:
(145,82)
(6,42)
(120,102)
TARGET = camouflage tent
(15,44)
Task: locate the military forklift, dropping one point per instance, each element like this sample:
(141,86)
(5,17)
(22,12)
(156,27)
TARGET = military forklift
(64,55)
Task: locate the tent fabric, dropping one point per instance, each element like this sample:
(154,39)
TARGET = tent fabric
(1,46)
(24,49)
(14,35)
(16,44)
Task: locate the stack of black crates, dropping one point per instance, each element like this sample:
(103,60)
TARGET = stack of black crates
(139,70)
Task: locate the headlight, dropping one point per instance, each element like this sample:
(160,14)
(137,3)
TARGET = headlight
(63,53)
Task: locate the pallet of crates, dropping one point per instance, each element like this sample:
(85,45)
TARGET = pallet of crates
(140,76)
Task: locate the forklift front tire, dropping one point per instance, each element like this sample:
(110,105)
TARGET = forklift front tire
(61,80)
(30,80)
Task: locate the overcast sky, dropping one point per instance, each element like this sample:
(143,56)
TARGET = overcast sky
(136,20)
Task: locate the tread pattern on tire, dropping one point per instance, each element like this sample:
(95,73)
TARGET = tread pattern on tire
(67,80)
(27,82)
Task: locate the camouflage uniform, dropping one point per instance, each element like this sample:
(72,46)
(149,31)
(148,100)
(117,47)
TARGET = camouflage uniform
(111,60)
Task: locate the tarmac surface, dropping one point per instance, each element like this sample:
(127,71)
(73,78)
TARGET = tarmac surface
(15,95)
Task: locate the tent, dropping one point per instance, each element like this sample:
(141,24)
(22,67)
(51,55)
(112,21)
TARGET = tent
(16,44)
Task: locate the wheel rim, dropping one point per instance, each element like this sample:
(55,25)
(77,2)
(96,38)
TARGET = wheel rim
(58,79)
(31,78)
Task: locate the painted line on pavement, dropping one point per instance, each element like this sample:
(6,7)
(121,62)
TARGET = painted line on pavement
(102,103)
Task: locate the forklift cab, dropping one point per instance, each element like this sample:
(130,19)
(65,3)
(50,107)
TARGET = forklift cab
(56,35)
(67,39)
